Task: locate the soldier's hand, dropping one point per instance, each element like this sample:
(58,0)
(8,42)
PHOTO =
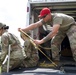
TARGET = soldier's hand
(19,29)
(37,42)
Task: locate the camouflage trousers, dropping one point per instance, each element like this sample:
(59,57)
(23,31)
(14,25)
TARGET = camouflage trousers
(14,63)
(16,59)
(57,40)
(32,55)
(29,62)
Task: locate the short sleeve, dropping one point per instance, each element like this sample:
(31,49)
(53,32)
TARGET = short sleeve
(57,20)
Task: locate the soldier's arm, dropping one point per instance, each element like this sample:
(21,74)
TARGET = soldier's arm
(33,26)
(51,34)
(5,45)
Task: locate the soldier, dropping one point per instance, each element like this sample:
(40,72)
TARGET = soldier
(62,25)
(16,52)
(32,54)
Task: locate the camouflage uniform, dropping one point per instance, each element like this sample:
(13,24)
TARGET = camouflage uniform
(67,27)
(16,55)
(31,53)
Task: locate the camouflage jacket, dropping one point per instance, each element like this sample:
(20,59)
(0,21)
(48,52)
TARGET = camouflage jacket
(16,48)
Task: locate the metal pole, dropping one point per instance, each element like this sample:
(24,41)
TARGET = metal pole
(8,62)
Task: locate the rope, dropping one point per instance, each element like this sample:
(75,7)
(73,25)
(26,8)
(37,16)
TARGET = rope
(44,47)
(31,40)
